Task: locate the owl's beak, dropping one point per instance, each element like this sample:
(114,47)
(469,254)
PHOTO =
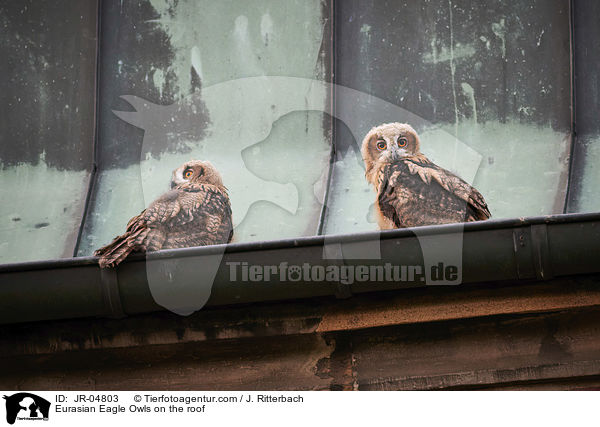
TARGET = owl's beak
(173,184)
(396,155)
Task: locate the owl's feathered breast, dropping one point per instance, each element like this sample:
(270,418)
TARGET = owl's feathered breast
(414,192)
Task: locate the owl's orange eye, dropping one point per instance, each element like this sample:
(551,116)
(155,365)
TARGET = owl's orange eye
(402,142)
(381,145)
(187,173)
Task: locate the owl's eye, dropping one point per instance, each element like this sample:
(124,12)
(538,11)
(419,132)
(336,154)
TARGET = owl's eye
(381,145)
(402,142)
(188,173)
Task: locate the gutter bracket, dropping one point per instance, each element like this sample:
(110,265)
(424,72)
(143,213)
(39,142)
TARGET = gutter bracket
(523,253)
(334,253)
(540,251)
(110,293)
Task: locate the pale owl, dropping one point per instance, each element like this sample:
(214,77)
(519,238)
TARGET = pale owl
(411,190)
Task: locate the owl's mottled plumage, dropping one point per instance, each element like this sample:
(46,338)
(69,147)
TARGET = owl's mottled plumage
(195,212)
(411,190)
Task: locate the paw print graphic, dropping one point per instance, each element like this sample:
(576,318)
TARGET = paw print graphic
(294,273)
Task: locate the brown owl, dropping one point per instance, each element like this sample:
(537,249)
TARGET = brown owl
(411,190)
(195,212)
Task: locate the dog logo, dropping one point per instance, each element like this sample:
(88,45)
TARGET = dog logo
(26,406)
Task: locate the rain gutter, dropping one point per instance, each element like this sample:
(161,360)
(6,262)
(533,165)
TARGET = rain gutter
(508,250)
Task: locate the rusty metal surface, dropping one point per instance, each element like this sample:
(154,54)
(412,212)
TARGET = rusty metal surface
(321,315)
(475,354)
(169,93)
(494,76)
(47,96)
(436,338)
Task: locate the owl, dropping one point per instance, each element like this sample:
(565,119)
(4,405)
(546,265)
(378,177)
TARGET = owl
(412,190)
(194,212)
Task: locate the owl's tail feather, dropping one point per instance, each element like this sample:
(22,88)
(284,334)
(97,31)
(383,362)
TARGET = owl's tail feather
(117,250)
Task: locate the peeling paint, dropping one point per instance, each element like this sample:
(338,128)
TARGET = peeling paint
(540,38)
(196,60)
(499,29)
(246,39)
(486,41)
(266,28)
(158,78)
(448,54)
(470,93)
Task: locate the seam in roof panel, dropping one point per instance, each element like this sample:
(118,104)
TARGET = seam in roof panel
(95,142)
(569,193)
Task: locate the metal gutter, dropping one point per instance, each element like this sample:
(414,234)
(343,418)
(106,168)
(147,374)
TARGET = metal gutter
(523,249)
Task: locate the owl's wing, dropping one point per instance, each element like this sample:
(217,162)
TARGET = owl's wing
(133,239)
(160,211)
(146,231)
(143,231)
(221,219)
(448,188)
(212,203)
(453,184)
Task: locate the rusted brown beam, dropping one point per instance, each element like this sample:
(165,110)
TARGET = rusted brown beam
(499,352)
(483,353)
(438,304)
(302,317)
(483,337)
(262,363)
